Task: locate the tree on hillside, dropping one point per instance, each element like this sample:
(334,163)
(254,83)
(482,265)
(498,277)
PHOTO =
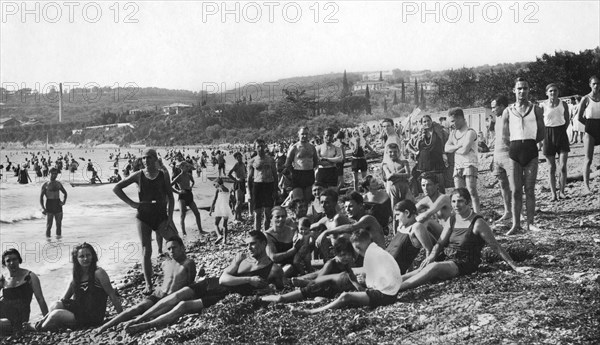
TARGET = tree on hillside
(395,100)
(423,105)
(416,93)
(380,76)
(403,96)
(367,94)
(385,105)
(345,87)
(353,105)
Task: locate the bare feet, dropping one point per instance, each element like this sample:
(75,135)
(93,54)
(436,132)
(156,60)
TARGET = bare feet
(148,290)
(505,217)
(271,299)
(514,230)
(134,329)
(532,227)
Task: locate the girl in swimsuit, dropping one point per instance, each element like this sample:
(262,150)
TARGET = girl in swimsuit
(90,289)
(17,291)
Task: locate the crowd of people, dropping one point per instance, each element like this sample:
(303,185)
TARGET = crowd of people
(302,211)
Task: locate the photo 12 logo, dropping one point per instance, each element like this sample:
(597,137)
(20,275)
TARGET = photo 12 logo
(269,12)
(72,92)
(469,11)
(70,12)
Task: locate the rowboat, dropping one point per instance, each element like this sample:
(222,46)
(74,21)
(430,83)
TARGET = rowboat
(87,184)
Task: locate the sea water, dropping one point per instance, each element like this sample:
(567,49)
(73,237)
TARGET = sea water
(91,214)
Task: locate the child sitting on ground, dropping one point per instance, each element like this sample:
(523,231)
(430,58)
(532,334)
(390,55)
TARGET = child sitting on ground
(304,241)
(379,283)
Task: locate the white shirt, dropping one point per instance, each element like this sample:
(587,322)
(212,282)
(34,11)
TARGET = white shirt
(382,271)
(553,116)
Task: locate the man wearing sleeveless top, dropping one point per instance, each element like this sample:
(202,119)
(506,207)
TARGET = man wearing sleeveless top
(262,175)
(523,129)
(556,140)
(154,209)
(463,143)
(589,115)
(246,275)
(301,160)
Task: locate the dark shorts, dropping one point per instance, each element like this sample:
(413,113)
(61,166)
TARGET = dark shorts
(209,291)
(556,140)
(378,298)
(523,151)
(186,196)
(240,185)
(221,166)
(403,251)
(327,176)
(303,178)
(340,169)
(465,266)
(53,206)
(359,164)
(262,194)
(592,127)
(152,214)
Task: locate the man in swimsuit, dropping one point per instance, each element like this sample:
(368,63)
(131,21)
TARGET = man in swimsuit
(355,207)
(464,236)
(301,160)
(154,209)
(463,143)
(178,272)
(588,114)
(523,129)
(238,174)
(331,220)
(502,162)
(183,183)
(262,174)
(53,207)
(329,155)
(246,275)
(435,208)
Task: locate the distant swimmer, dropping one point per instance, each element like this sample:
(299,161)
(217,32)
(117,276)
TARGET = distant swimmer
(53,206)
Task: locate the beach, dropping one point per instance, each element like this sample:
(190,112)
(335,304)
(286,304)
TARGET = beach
(556,303)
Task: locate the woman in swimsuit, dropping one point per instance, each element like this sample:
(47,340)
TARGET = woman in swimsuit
(18,289)
(463,238)
(589,114)
(90,289)
(281,248)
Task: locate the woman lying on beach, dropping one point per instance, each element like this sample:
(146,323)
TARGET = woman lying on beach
(17,291)
(464,236)
(90,289)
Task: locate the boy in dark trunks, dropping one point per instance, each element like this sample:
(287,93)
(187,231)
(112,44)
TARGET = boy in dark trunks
(53,207)
(245,275)
(179,272)
(183,183)
(154,209)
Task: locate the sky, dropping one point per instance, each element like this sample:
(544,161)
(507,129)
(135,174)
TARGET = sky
(216,45)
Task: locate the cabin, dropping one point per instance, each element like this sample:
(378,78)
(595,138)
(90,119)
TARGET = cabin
(9,122)
(175,108)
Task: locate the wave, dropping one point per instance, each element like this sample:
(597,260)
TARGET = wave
(19,216)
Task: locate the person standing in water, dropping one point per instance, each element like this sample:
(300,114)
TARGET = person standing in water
(53,206)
